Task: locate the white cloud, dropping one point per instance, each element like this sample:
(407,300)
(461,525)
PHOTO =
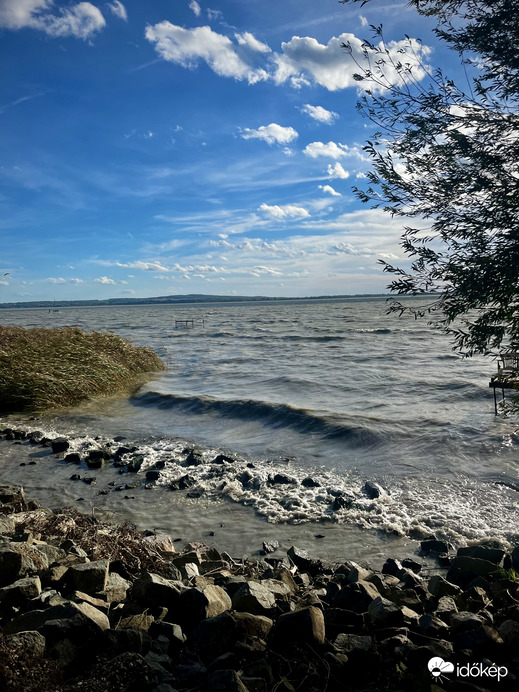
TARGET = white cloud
(271,133)
(186,47)
(117,8)
(284,211)
(337,171)
(329,189)
(363,20)
(193,5)
(249,40)
(320,114)
(143,266)
(81,20)
(330,65)
(105,280)
(61,280)
(214,14)
(330,150)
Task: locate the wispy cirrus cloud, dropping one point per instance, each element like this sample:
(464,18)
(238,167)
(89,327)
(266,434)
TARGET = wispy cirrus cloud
(271,133)
(118,9)
(195,7)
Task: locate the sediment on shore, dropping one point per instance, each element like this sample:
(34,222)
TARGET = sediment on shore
(88,605)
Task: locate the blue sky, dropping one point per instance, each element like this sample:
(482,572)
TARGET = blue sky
(173,146)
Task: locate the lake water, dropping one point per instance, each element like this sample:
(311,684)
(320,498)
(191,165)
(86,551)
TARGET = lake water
(336,391)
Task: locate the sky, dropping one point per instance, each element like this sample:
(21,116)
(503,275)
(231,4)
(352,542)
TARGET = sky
(173,146)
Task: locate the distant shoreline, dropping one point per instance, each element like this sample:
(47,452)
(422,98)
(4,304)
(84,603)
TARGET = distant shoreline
(190,299)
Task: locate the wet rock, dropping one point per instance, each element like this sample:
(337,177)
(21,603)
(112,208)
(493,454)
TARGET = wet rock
(270,546)
(35,436)
(89,577)
(223,459)
(194,458)
(60,444)
(342,502)
(153,475)
(464,569)
(254,598)
(300,558)
(134,466)
(310,483)
(281,479)
(76,477)
(302,627)
(494,555)
(515,559)
(392,567)
(373,490)
(412,565)
(182,483)
(432,545)
(72,458)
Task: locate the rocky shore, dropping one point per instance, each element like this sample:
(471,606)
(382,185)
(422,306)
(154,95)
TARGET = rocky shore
(85,605)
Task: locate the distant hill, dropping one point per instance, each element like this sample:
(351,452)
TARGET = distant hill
(175,300)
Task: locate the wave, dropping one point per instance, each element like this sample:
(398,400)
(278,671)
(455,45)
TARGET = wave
(270,415)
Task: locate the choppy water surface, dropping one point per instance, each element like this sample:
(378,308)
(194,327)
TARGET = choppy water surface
(336,391)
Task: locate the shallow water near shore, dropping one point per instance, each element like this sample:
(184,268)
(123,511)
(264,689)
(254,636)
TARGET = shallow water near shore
(335,391)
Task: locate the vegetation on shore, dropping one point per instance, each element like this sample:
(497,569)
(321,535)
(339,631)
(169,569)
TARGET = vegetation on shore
(51,368)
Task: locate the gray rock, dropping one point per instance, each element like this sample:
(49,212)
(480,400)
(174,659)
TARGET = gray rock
(373,490)
(300,558)
(494,555)
(18,560)
(432,626)
(383,613)
(213,636)
(20,592)
(152,589)
(249,625)
(356,597)
(59,444)
(161,542)
(438,586)
(254,598)
(31,643)
(302,627)
(509,632)
(89,577)
(347,643)
(116,589)
(464,569)
(200,603)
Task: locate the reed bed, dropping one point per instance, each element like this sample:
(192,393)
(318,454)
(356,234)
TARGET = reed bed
(43,369)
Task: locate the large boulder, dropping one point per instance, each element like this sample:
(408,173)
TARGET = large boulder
(300,628)
(89,577)
(254,598)
(18,560)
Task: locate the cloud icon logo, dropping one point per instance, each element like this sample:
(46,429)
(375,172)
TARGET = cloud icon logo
(437,667)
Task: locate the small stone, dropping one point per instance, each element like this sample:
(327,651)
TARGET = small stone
(270,546)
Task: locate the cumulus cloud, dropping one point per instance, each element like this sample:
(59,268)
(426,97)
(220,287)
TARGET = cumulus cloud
(305,60)
(330,150)
(337,171)
(320,114)
(193,5)
(118,9)
(143,266)
(249,40)
(284,211)
(105,280)
(61,280)
(186,47)
(81,20)
(271,133)
(329,189)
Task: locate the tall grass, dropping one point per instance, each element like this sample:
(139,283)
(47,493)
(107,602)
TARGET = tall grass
(49,368)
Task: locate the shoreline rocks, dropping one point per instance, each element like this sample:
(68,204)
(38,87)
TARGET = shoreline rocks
(88,605)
